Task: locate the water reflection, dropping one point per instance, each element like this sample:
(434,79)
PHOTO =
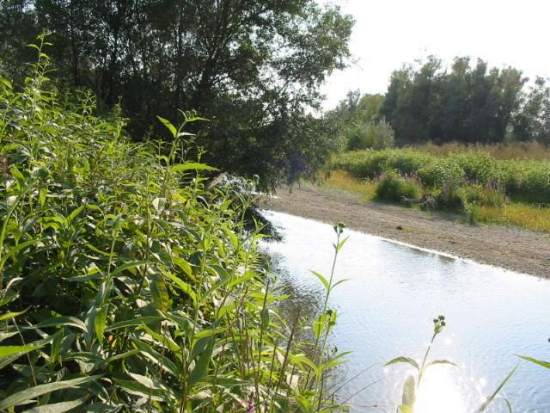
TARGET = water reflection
(439,392)
(386,309)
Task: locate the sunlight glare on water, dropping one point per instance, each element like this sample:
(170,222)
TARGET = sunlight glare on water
(386,307)
(439,392)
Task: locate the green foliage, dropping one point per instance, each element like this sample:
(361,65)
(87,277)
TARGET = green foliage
(253,68)
(533,120)
(522,180)
(358,124)
(465,104)
(482,196)
(441,172)
(393,187)
(371,135)
(129,284)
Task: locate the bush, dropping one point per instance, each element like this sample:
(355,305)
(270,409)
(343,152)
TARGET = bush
(393,187)
(441,172)
(371,135)
(522,180)
(482,196)
(450,198)
(126,283)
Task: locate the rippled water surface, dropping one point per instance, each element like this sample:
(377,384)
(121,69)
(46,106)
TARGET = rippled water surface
(386,307)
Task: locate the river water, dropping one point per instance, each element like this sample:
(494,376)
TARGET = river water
(385,309)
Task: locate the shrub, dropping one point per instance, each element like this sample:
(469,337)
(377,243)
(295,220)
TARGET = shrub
(395,188)
(450,198)
(479,168)
(482,196)
(371,135)
(522,180)
(126,284)
(441,172)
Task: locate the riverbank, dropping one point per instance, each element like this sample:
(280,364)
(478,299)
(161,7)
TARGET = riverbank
(507,247)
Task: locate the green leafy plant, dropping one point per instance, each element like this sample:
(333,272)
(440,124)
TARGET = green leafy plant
(393,187)
(129,280)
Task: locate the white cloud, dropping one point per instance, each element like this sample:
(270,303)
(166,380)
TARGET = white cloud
(389,33)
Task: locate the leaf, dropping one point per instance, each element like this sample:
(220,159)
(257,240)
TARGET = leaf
(6,351)
(42,196)
(56,407)
(100,323)
(339,282)
(434,362)
(159,359)
(184,266)
(138,389)
(409,394)
(322,278)
(16,173)
(168,126)
(74,214)
(127,266)
(201,364)
(6,82)
(134,322)
(165,340)
(191,166)
(10,315)
(406,409)
(541,363)
(489,400)
(29,394)
(159,293)
(406,360)
(182,285)
(242,279)
(64,322)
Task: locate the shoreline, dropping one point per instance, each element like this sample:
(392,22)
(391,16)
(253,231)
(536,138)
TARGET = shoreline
(510,248)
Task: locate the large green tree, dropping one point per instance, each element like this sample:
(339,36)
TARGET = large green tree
(533,120)
(466,103)
(252,67)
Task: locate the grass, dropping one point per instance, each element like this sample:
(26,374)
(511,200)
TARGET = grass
(517,214)
(343,180)
(502,151)
(523,215)
(522,180)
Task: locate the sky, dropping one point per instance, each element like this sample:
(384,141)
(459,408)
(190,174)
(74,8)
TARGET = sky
(389,33)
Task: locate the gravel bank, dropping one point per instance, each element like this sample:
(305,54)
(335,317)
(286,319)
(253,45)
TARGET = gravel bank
(507,247)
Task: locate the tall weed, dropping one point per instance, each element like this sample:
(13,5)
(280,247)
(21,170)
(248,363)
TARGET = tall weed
(128,281)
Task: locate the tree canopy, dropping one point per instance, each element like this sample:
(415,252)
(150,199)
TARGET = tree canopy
(466,103)
(252,67)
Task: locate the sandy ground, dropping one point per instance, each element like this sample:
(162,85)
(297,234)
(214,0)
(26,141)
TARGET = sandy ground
(507,247)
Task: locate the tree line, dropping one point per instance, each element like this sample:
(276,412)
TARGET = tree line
(468,103)
(251,67)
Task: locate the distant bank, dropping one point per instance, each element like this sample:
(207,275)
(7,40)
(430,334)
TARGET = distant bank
(507,247)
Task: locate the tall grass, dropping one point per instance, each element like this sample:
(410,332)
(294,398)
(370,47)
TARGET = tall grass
(474,182)
(505,151)
(525,180)
(126,282)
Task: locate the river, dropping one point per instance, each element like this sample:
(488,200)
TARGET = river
(385,309)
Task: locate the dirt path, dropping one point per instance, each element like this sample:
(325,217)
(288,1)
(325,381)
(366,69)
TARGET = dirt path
(512,248)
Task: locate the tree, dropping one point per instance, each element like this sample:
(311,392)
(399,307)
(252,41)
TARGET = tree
(533,119)
(252,67)
(466,104)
